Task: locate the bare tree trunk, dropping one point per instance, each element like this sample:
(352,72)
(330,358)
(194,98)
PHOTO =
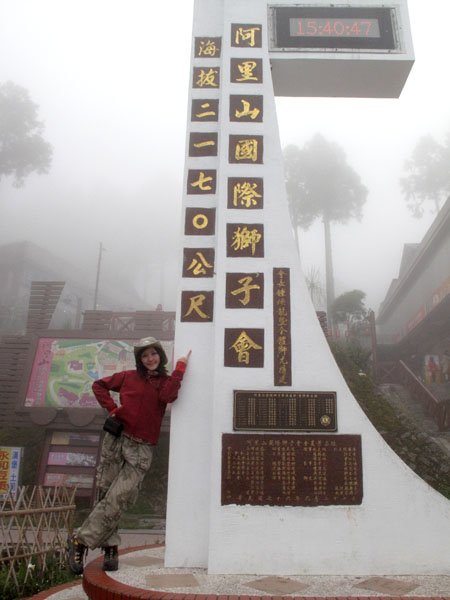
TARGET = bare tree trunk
(329,277)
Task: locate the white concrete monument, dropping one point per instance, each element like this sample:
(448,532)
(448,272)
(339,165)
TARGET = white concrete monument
(274,468)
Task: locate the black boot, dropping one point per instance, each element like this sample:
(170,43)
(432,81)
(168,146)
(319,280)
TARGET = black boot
(111,558)
(76,552)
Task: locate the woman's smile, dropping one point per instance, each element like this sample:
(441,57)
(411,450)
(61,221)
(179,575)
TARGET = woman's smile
(150,359)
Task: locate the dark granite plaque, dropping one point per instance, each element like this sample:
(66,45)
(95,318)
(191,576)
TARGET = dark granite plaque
(244,347)
(245,239)
(201,181)
(204,110)
(246,70)
(198,262)
(206,77)
(208,47)
(203,144)
(197,306)
(244,35)
(245,149)
(245,193)
(244,290)
(291,470)
(284,411)
(200,221)
(247,109)
(282,356)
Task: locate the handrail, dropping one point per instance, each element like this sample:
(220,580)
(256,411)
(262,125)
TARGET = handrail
(438,409)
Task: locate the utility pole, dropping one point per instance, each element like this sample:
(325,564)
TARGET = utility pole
(99,262)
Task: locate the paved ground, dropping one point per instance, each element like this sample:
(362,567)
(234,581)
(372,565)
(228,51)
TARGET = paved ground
(144,568)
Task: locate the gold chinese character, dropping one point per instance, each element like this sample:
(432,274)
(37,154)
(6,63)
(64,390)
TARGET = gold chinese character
(245,238)
(199,265)
(205,113)
(204,144)
(196,303)
(202,182)
(245,193)
(242,347)
(246,69)
(246,35)
(247,150)
(247,111)
(208,48)
(207,78)
(245,289)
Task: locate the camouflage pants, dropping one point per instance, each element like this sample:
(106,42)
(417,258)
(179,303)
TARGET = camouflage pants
(123,465)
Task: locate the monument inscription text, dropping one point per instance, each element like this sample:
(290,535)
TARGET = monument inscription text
(291,470)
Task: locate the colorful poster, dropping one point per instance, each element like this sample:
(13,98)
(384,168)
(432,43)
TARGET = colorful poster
(64,369)
(9,470)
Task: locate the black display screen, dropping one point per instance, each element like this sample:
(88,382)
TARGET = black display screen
(333,27)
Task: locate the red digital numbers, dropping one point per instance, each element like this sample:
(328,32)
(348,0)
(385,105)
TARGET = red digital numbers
(358,28)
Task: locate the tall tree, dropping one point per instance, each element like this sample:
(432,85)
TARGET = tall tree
(22,147)
(428,176)
(320,184)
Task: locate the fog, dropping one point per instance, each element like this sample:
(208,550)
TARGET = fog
(111,81)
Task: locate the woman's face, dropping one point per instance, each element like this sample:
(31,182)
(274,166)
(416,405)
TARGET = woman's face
(150,359)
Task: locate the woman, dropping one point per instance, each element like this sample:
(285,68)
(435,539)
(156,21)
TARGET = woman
(144,394)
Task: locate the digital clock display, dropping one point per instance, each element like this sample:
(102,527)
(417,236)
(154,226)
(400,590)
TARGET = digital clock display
(333,27)
(359,28)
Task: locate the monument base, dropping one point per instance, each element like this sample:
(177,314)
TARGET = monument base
(142,576)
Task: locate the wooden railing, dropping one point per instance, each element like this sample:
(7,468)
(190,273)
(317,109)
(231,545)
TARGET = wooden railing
(33,531)
(439,410)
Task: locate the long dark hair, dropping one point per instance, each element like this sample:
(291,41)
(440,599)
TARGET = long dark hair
(161,370)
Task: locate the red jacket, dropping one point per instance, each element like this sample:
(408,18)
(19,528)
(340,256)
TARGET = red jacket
(143,402)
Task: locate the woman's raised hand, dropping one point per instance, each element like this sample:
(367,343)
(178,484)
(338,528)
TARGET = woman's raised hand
(185,359)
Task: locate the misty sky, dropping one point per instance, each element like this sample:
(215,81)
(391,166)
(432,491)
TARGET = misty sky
(111,80)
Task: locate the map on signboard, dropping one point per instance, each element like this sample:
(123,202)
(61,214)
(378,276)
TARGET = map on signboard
(64,369)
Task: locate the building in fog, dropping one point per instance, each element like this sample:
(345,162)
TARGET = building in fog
(413,323)
(24,262)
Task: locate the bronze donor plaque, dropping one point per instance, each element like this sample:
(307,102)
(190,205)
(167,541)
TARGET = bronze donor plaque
(291,470)
(284,411)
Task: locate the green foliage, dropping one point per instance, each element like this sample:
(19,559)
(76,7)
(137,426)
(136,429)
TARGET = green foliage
(320,184)
(421,454)
(349,307)
(37,579)
(428,176)
(22,147)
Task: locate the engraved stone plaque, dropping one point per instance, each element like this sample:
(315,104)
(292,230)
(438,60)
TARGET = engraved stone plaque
(248,109)
(207,47)
(204,109)
(197,306)
(200,221)
(246,149)
(245,192)
(244,290)
(291,470)
(201,181)
(245,35)
(282,355)
(246,70)
(206,77)
(198,262)
(245,239)
(203,143)
(256,410)
(244,347)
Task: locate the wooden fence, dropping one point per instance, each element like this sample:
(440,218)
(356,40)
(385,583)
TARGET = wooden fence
(33,530)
